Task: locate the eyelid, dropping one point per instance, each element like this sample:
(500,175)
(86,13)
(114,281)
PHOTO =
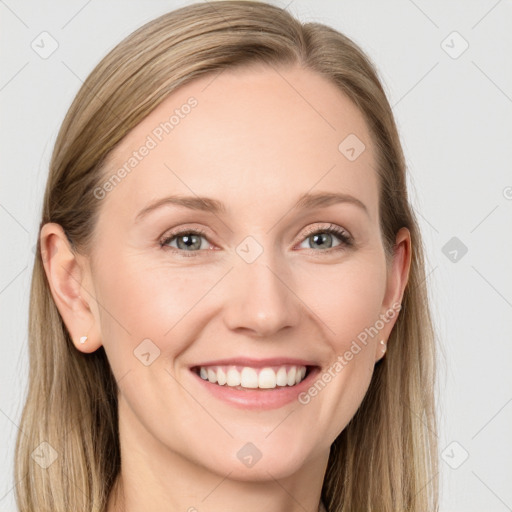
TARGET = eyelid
(169,235)
(329,227)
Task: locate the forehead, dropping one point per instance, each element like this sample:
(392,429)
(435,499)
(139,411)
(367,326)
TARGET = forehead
(248,135)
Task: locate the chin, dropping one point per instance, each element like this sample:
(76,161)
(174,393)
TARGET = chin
(252,464)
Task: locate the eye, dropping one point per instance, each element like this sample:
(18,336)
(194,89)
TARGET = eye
(190,240)
(187,240)
(323,236)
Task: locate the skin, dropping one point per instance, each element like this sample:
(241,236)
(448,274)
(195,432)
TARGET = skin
(250,138)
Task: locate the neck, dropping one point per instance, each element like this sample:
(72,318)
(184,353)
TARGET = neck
(117,503)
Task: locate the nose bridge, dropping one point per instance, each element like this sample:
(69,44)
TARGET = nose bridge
(260,298)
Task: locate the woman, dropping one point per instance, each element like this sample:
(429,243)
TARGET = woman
(192,350)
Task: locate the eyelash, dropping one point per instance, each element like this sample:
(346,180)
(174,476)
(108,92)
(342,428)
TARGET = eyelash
(345,239)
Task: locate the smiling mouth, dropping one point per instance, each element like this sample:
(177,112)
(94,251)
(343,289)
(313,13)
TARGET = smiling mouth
(246,377)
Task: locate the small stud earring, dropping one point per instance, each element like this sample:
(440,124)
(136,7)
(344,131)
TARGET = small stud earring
(383,345)
(83,339)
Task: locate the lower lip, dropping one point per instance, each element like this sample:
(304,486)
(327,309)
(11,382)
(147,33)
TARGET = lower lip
(261,399)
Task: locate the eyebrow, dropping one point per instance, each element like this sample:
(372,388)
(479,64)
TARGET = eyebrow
(208,204)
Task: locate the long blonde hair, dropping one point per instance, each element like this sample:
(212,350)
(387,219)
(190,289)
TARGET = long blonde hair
(385,460)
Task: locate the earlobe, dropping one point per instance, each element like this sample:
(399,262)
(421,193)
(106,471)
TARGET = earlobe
(66,276)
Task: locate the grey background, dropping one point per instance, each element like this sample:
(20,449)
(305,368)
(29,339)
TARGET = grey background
(454,112)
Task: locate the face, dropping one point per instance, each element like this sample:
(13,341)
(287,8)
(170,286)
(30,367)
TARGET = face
(256,276)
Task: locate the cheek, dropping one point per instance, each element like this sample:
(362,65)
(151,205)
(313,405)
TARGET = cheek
(346,298)
(346,303)
(145,298)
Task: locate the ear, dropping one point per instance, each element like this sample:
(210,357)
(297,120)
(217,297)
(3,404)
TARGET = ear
(397,277)
(66,273)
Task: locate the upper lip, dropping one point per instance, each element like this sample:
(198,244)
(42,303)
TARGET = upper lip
(257,363)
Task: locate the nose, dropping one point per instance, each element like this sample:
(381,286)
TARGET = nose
(261,298)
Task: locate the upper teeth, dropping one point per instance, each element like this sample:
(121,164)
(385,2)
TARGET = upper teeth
(247,377)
